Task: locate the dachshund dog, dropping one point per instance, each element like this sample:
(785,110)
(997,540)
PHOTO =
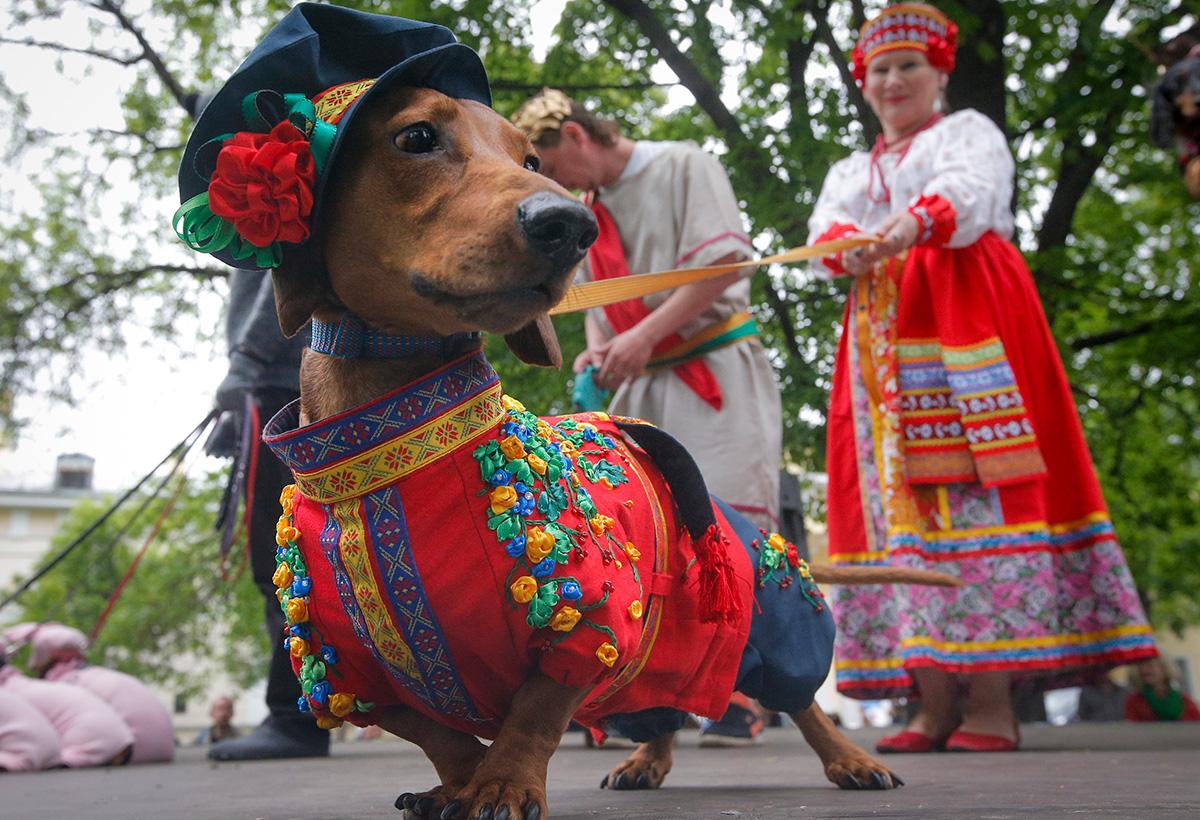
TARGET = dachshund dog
(452,566)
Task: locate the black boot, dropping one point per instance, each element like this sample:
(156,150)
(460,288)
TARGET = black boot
(275,738)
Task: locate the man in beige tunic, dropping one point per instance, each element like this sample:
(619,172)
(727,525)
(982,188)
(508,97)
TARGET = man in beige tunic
(688,359)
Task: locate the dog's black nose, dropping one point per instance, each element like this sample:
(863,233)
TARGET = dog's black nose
(556,226)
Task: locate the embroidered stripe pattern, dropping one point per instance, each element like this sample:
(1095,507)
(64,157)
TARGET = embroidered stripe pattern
(412,647)
(964,415)
(320,445)
(387,462)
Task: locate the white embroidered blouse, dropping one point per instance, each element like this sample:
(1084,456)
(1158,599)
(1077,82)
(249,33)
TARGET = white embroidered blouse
(963,158)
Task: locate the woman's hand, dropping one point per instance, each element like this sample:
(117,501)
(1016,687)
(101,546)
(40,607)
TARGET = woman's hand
(899,231)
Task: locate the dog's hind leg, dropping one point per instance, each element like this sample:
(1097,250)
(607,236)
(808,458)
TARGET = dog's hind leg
(455,756)
(646,768)
(845,763)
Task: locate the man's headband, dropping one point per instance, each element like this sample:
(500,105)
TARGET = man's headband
(907,26)
(542,113)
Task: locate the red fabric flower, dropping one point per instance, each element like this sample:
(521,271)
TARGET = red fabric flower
(263,184)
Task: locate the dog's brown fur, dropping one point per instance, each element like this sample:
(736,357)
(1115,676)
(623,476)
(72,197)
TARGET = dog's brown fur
(429,244)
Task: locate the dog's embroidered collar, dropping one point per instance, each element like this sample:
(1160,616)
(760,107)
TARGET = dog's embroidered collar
(353,339)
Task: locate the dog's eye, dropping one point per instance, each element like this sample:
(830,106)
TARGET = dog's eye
(532,163)
(417,139)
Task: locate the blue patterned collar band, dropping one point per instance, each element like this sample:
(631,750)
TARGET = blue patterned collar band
(352,339)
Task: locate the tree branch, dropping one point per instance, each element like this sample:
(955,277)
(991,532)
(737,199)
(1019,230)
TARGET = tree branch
(124,61)
(514,85)
(706,92)
(1140,329)
(148,52)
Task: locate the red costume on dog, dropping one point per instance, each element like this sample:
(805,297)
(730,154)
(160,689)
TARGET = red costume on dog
(576,566)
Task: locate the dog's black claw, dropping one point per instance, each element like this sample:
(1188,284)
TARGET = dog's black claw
(604,782)
(643,781)
(851,782)
(878,781)
(896,781)
(618,782)
(424,806)
(502,813)
(406,801)
(485,812)
(450,809)
(533,811)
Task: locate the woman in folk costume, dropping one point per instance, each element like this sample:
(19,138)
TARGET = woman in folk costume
(687,360)
(954,443)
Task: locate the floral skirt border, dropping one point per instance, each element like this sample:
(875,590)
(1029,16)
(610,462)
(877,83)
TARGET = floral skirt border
(1055,611)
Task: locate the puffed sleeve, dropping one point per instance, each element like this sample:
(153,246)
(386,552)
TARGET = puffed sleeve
(706,212)
(833,216)
(971,187)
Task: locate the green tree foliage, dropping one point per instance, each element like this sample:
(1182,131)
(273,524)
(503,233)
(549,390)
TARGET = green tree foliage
(177,621)
(1102,215)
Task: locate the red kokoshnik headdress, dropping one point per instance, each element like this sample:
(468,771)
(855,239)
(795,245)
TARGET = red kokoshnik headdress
(907,26)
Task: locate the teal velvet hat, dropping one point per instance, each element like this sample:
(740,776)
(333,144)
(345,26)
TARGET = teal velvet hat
(256,165)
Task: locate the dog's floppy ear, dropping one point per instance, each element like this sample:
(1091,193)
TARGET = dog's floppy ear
(536,343)
(298,292)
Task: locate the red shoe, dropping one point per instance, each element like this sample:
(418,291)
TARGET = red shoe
(910,742)
(970,742)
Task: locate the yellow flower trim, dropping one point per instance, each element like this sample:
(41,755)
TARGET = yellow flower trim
(633,552)
(607,653)
(283,576)
(635,610)
(777,543)
(512,447)
(341,704)
(600,524)
(329,722)
(509,403)
(523,589)
(299,647)
(503,498)
(297,610)
(565,619)
(537,464)
(538,544)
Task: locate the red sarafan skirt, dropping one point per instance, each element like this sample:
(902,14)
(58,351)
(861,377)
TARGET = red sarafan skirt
(954,445)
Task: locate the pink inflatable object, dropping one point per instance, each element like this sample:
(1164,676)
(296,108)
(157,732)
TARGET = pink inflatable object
(58,653)
(28,743)
(91,731)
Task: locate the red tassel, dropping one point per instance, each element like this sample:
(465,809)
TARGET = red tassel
(719,596)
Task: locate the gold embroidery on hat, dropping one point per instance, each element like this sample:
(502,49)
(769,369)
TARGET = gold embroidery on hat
(333,102)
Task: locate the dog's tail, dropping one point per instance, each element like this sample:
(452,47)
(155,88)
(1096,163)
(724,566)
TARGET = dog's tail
(825,574)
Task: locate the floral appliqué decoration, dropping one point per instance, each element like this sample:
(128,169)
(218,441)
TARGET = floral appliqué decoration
(777,558)
(533,472)
(302,638)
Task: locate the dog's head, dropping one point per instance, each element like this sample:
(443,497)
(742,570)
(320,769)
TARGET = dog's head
(437,222)
(357,156)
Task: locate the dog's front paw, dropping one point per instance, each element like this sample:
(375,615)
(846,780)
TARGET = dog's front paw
(862,771)
(496,799)
(430,805)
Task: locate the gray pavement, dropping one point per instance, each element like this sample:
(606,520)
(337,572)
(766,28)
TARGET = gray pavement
(1082,770)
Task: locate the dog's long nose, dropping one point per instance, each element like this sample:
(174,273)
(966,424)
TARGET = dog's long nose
(556,226)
